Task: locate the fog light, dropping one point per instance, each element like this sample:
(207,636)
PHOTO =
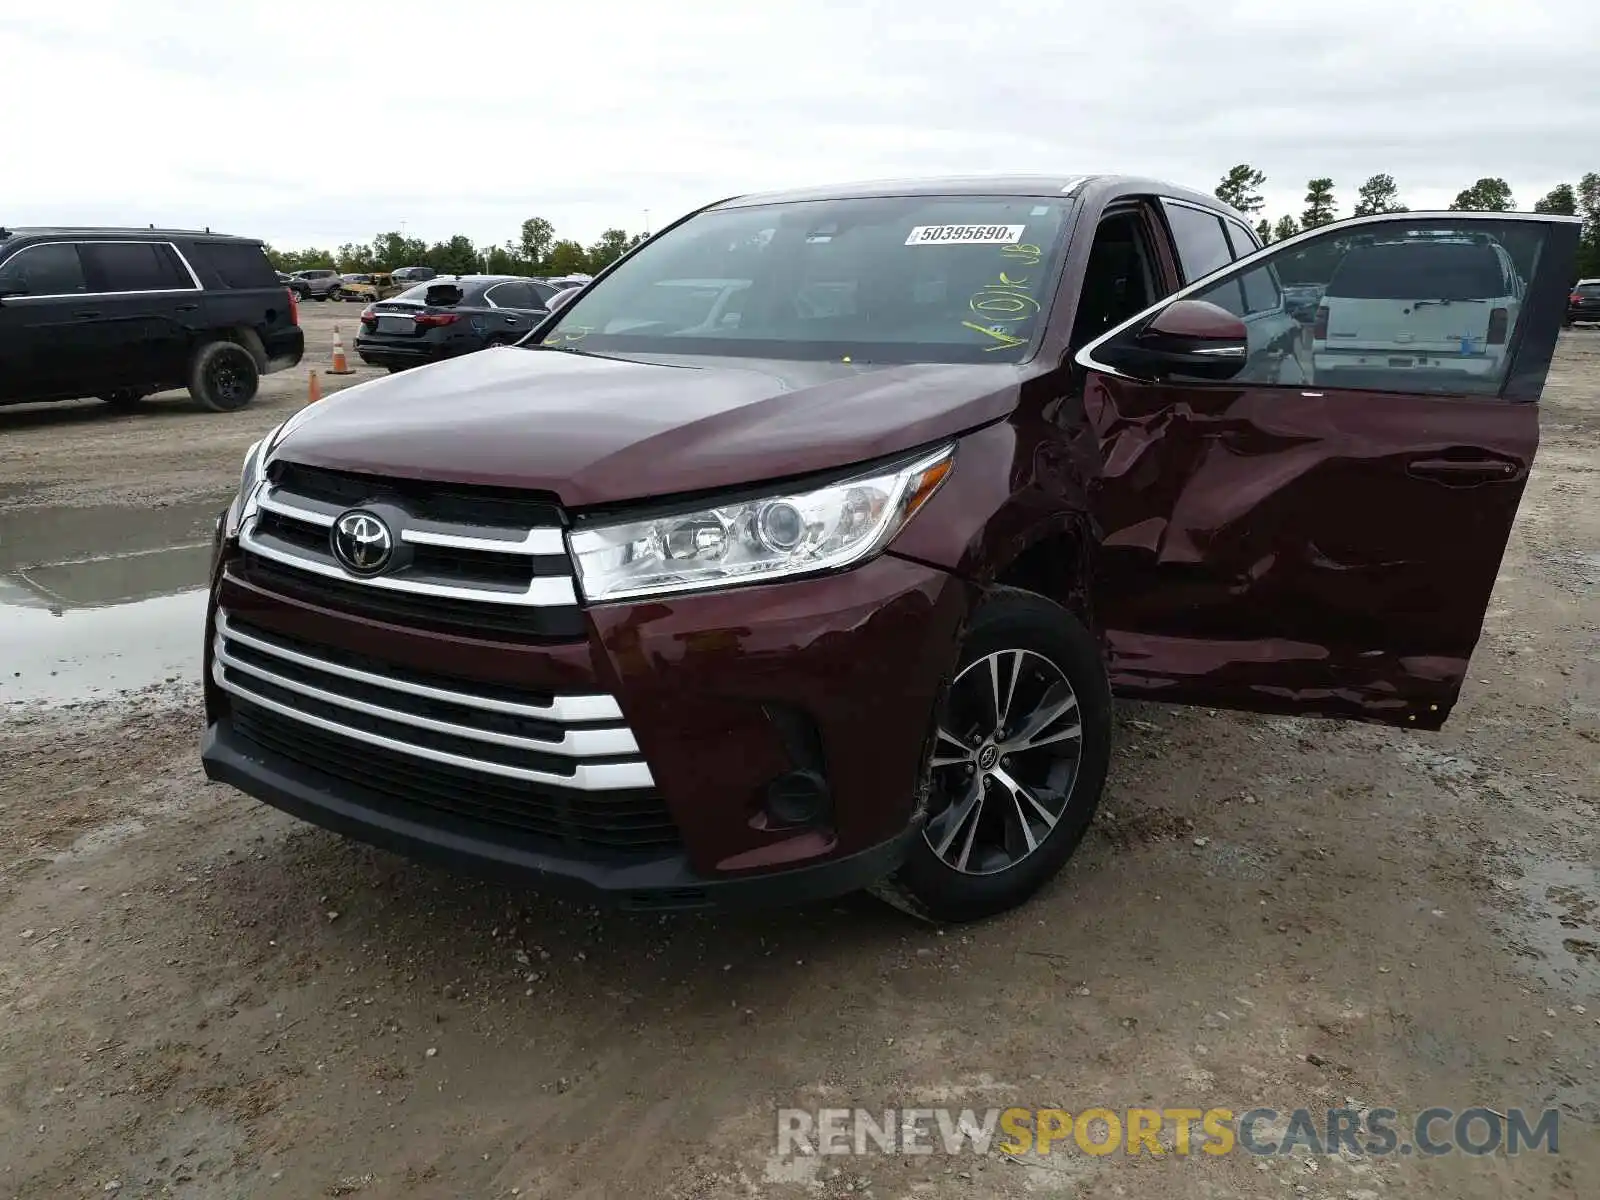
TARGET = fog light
(798,798)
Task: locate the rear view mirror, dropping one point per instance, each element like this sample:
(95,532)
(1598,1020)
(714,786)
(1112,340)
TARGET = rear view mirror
(1188,337)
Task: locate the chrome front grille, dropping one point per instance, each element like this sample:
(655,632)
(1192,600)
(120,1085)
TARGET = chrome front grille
(559,766)
(445,548)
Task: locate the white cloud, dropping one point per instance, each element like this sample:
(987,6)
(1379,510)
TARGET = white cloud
(324,123)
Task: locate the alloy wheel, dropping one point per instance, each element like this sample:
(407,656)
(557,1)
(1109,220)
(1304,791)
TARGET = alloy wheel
(227,381)
(1006,758)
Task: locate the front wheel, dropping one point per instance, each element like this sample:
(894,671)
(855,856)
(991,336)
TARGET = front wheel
(1018,759)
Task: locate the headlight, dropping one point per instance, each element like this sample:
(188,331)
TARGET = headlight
(750,541)
(250,476)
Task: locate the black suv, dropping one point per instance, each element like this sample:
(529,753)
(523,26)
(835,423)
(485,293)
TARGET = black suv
(122,313)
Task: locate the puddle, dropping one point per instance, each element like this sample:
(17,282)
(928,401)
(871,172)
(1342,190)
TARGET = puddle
(99,600)
(1557,934)
(31,537)
(59,657)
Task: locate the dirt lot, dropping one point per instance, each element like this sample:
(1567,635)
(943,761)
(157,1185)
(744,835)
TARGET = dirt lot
(201,997)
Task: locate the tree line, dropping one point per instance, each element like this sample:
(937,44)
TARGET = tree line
(1241,187)
(536,251)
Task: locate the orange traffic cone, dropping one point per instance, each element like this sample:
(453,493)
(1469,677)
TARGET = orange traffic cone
(340,367)
(315,393)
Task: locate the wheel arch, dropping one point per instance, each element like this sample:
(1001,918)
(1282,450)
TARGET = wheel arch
(1011,517)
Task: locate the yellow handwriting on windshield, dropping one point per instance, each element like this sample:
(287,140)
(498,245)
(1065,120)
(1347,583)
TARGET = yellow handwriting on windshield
(1002,339)
(1005,299)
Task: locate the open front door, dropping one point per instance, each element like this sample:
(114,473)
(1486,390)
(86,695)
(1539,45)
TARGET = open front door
(1311,462)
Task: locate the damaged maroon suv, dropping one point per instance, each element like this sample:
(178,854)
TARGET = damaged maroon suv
(806,549)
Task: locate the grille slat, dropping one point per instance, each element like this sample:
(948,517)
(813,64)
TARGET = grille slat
(460,554)
(641,824)
(576,742)
(564,767)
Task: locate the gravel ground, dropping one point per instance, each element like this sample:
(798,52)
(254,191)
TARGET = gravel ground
(201,997)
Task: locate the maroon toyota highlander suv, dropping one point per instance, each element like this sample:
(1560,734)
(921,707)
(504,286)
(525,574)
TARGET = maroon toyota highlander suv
(806,549)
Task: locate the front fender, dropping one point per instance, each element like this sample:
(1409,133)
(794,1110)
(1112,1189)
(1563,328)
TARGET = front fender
(1016,489)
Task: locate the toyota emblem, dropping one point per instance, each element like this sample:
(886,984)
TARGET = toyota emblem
(362,542)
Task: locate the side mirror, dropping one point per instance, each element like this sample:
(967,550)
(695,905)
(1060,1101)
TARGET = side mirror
(12,287)
(1188,337)
(561,299)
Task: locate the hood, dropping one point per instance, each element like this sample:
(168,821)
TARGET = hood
(598,430)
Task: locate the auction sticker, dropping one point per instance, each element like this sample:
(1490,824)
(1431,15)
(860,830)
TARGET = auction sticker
(965,235)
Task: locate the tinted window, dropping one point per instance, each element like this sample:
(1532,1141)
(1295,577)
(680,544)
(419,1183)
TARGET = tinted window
(1243,241)
(133,267)
(514,294)
(1409,305)
(1202,248)
(238,264)
(52,270)
(880,279)
(542,292)
(1261,292)
(434,295)
(1588,289)
(1395,271)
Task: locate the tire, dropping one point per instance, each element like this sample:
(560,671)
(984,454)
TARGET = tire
(124,399)
(223,376)
(1037,647)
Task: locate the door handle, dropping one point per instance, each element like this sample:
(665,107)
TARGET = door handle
(188,307)
(511,320)
(86,313)
(1456,472)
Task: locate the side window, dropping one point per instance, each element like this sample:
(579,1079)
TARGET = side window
(1261,291)
(1202,246)
(1118,280)
(50,270)
(511,295)
(238,264)
(1243,241)
(1409,305)
(133,267)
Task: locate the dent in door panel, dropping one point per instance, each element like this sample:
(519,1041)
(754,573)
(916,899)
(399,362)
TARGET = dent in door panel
(1264,547)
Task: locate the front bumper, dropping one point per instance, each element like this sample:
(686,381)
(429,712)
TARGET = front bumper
(724,692)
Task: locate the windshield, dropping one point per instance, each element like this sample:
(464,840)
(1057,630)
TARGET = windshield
(1588,289)
(898,279)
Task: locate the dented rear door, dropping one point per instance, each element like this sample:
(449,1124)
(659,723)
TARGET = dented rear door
(1308,540)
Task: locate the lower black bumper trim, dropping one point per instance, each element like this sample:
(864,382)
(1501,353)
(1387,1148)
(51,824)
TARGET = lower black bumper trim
(655,884)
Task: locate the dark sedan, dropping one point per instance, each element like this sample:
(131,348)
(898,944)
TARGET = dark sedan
(450,316)
(1584,302)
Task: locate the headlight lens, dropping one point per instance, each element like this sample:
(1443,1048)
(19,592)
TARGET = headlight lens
(749,541)
(250,474)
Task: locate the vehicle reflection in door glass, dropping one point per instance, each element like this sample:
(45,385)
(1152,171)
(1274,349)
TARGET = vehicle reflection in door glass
(1407,306)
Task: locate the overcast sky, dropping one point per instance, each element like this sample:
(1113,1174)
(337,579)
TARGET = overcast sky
(316,124)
